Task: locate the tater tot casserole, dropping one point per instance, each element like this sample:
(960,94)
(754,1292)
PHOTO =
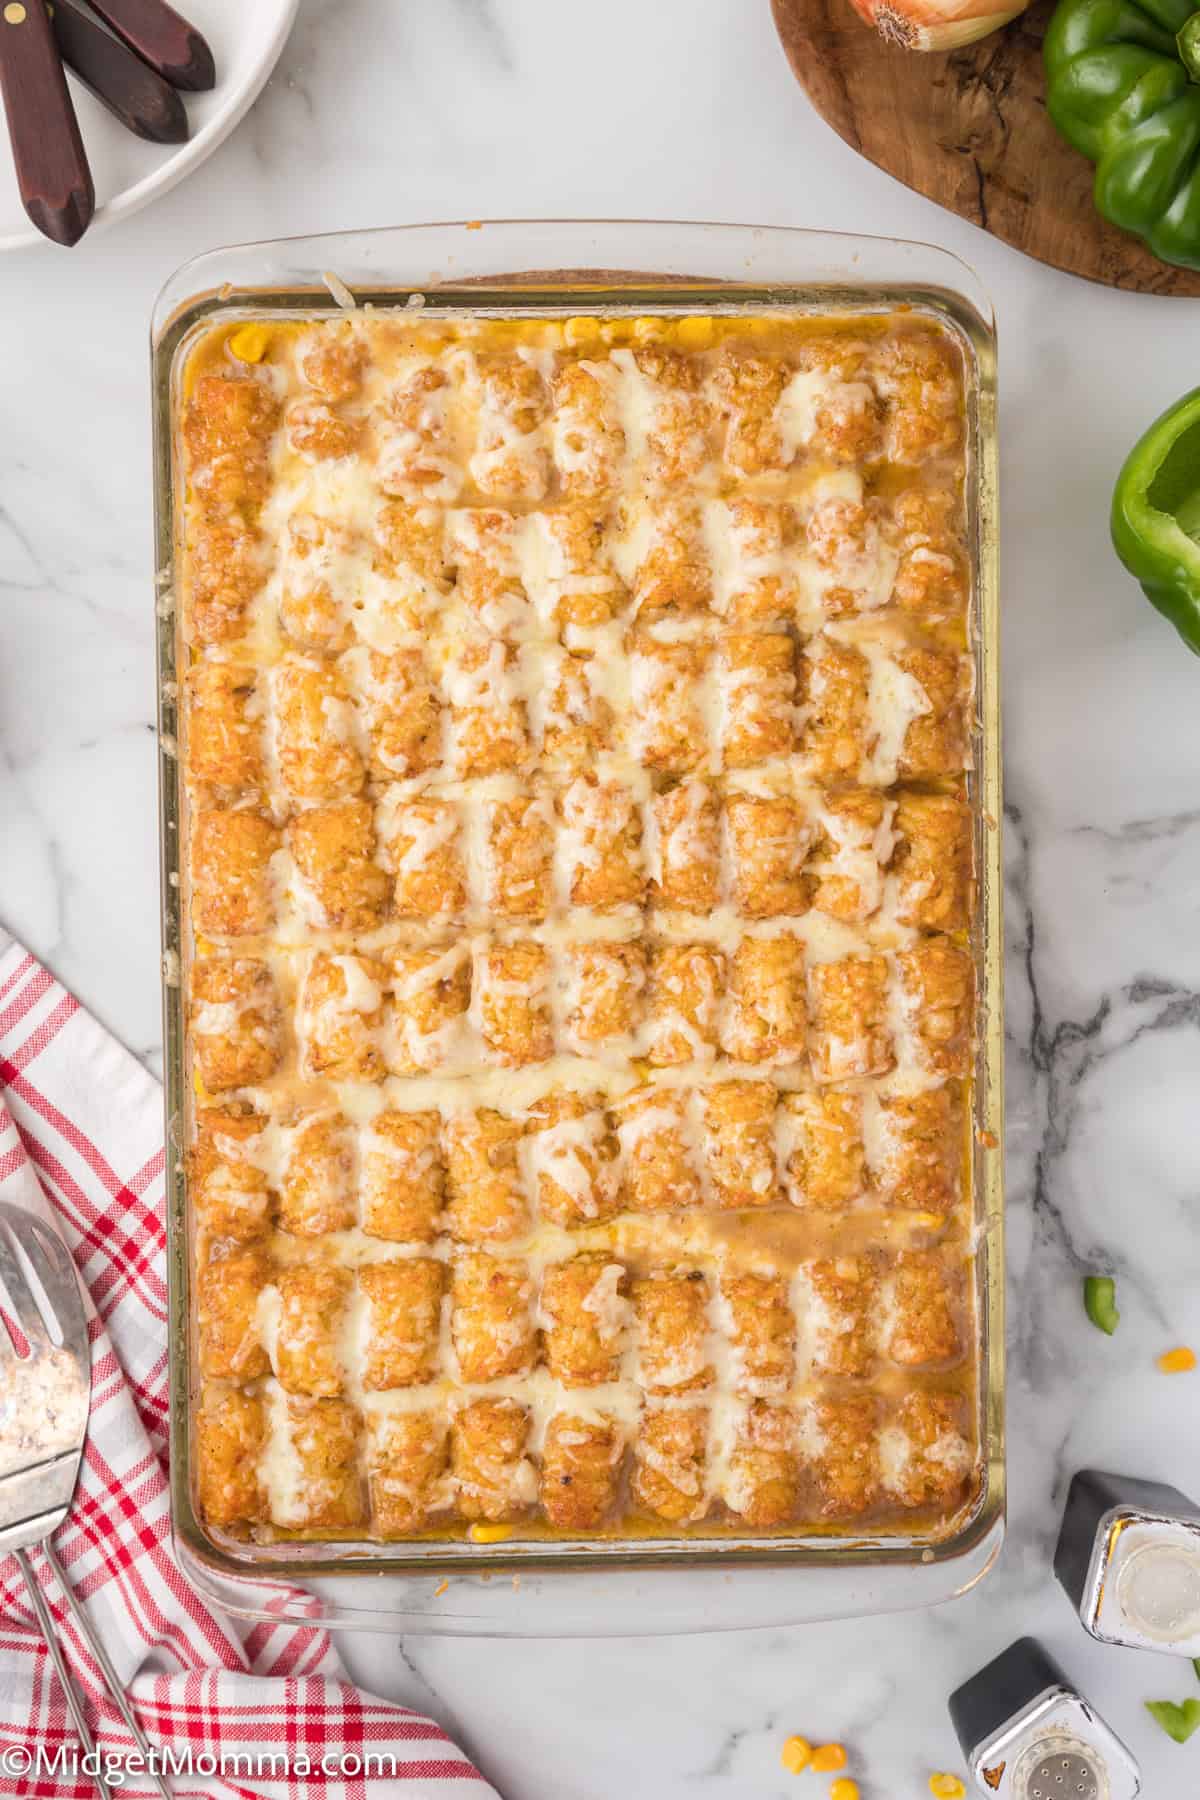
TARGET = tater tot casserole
(577,723)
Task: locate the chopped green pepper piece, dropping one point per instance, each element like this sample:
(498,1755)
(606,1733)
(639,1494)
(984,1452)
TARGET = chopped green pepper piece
(1156,516)
(1100,1302)
(1178,1722)
(1196,1665)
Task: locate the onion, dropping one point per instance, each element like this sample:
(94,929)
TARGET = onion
(930,25)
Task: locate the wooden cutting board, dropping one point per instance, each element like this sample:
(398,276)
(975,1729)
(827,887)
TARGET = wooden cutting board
(970,130)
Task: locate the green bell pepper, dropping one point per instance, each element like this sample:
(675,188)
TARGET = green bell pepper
(1100,1302)
(1156,515)
(1179,1722)
(1121,85)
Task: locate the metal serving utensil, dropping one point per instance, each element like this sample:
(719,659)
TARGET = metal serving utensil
(45,1396)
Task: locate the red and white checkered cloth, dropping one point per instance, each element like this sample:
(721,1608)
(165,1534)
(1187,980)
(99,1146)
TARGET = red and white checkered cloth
(81,1143)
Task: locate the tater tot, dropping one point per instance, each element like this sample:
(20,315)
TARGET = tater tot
(510,1003)
(580,586)
(835,690)
(317,731)
(488,727)
(401,712)
(585,1314)
(763,1483)
(231,1343)
(316,1186)
(932,579)
(603,990)
(856,842)
(686,982)
(328,1490)
(228,422)
(318,433)
(339,1015)
(667,729)
(831,405)
(853,563)
(404,1307)
(492,1317)
(671,1313)
(227,565)
(231,873)
(601,842)
(403,1177)
(678,413)
(756,675)
(659,1160)
(751,580)
(427,1023)
(739,1142)
(571,1157)
(916,1155)
(230,1433)
(313,1299)
(481,544)
(333,847)
(224,745)
(229,1189)
(846,1465)
(511,459)
(761,1328)
(410,556)
(684,847)
(925,1301)
(332,362)
(673,576)
(932,864)
(486,1200)
(586,439)
(520,851)
(769,842)
(935,743)
(317,561)
(494,1478)
(766,1017)
(576,722)
(918,373)
(407,1455)
(422,841)
(749,389)
(937,981)
(826,1166)
(838,1298)
(924,1453)
(416,459)
(236,1022)
(581,1467)
(849,1034)
(669,1463)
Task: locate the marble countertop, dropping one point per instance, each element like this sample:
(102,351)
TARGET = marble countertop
(381,114)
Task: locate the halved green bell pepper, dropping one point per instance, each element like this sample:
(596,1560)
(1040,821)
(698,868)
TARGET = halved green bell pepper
(1121,85)
(1156,515)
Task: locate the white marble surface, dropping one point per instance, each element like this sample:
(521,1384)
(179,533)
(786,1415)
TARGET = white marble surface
(380,114)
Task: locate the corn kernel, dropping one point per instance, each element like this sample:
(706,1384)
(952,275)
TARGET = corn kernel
(250,343)
(489,1534)
(947,1787)
(845,1789)
(828,1758)
(796,1755)
(1177,1362)
(695,333)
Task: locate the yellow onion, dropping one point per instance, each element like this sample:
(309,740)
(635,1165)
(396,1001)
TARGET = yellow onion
(934,24)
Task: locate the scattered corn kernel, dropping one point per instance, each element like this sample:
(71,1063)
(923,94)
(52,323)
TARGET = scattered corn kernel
(1177,1362)
(845,1789)
(947,1787)
(828,1758)
(489,1534)
(796,1755)
(474,224)
(440,1589)
(250,343)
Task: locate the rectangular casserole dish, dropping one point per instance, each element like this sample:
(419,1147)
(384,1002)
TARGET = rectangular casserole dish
(704,271)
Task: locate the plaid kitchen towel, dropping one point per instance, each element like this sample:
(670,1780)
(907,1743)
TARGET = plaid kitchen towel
(81,1143)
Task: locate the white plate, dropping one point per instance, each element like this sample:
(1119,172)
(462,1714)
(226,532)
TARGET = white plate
(246,37)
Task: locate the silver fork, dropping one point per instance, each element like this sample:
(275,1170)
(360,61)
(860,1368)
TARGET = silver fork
(45,1394)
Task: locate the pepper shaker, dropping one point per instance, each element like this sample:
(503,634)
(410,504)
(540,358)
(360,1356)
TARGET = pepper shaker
(1128,1557)
(1027,1734)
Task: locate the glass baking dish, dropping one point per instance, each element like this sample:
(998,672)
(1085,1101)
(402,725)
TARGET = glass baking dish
(628,1585)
